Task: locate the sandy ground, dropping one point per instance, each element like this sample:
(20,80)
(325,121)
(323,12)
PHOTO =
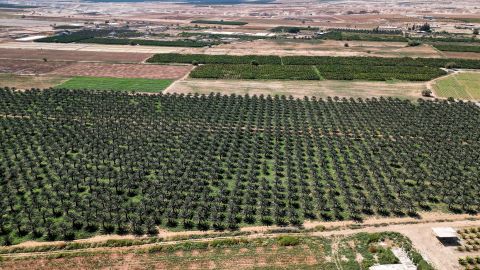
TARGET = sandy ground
(29,66)
(410,90)
(30,81)
(263,47)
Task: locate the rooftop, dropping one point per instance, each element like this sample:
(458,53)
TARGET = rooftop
(445,232)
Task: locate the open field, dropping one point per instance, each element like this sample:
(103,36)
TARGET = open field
(123,71)
(116,84)
(30,81)
(299,89)
(29,66)
(65,55)
(463,85)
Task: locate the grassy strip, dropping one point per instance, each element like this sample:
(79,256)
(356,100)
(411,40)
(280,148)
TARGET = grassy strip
(116,84)
(222,22)
(252,72)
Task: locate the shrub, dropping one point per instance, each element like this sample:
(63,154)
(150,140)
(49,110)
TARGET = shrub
(414,43)
(451,65)
(427,93)
(288,241)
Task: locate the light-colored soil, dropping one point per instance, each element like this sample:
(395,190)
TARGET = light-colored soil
(64,55)
(30,81)
(123,70)
(363,89)
(262,47)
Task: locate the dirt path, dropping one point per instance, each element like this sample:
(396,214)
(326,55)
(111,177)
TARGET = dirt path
(418,230)
(444,258)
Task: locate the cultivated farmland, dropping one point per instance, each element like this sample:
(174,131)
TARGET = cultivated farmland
(76,163)
(461,85)
(252,72)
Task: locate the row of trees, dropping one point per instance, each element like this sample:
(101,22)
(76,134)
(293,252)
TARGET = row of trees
(74,163)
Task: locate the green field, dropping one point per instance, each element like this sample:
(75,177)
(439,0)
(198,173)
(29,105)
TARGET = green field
(116,84)
(461,86)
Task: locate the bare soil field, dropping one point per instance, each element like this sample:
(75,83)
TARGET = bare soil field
(57,55)
(300,89)
(465,55)
(263,47)
(123,71)
(30,81)
(29,66)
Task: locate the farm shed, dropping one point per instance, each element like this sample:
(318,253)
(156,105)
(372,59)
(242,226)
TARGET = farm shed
(446,235)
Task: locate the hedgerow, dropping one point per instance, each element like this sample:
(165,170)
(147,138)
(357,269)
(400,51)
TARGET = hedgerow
(457,48)
(214,59)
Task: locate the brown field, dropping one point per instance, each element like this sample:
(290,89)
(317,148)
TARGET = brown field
(55,55)
(30,81)
(29,66)
(123,71)
(325,48)
(300,89)
(263,47)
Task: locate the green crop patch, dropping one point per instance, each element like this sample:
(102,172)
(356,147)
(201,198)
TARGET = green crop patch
(461,86)
(116,84)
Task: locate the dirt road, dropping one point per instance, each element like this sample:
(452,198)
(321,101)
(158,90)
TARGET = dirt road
(418,230)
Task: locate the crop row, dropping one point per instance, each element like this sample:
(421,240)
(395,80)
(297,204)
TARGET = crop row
(457,48)
(312,60)
(260,72)
(379,73)
(81,162)
(214,59)
(307,72)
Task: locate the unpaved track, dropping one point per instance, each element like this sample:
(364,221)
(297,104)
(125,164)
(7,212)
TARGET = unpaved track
(419,231)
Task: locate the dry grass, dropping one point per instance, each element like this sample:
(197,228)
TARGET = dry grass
(30,81)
